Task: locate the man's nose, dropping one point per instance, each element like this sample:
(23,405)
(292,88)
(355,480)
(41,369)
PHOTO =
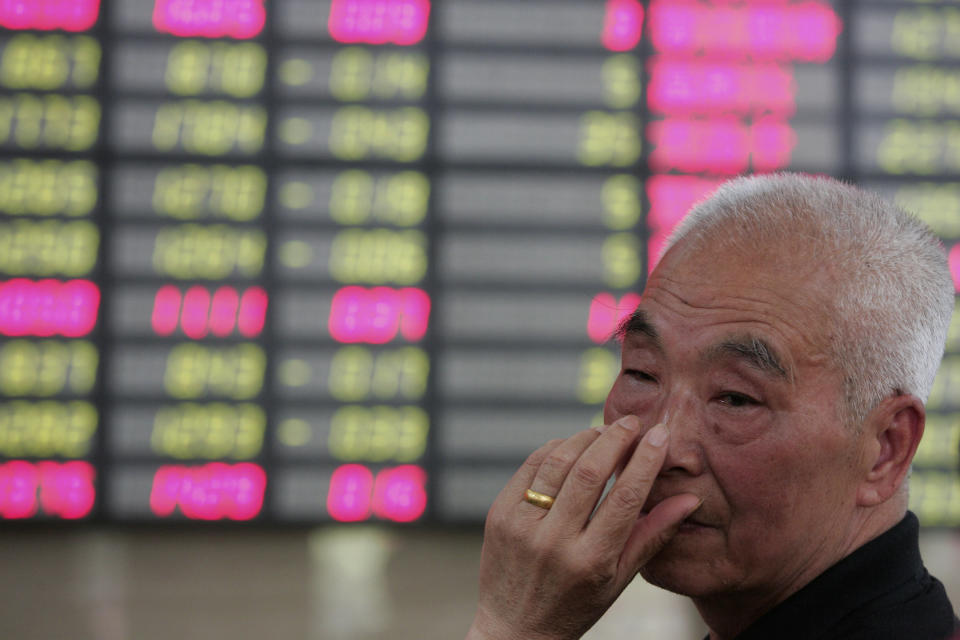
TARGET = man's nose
(685,423)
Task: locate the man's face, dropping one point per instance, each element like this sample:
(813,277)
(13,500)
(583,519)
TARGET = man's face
(734,349)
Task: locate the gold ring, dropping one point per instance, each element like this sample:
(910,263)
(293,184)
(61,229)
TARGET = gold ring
(538,499)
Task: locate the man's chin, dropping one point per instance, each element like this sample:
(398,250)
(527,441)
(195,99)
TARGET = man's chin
(680,569)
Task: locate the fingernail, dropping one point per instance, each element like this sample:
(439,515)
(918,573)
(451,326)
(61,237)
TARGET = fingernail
(658,435)
(600,428)
(694,508)
(630,423)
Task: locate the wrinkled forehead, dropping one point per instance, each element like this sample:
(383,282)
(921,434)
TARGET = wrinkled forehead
(782,291)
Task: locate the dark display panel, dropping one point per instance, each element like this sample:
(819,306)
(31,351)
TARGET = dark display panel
(301,261)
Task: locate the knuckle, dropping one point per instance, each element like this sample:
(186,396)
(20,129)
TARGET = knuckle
(627,498)
(589,476)
(559,460)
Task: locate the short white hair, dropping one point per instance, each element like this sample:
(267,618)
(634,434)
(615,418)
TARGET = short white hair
(894,294)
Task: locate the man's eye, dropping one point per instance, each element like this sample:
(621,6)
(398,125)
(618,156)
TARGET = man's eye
(733,399)
(639,375)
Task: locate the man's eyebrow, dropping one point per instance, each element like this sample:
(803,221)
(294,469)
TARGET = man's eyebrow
(755,351)
(638,322)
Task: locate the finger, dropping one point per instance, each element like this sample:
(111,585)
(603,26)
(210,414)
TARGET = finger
(653,531)
(618,513)
(522,479)
(588,477)
(557,464)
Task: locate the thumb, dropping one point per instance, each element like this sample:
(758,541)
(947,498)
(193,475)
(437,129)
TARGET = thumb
(654,530)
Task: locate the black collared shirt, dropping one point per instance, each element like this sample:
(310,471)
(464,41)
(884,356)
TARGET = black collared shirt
(881,591)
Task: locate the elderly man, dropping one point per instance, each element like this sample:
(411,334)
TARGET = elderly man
(761,430)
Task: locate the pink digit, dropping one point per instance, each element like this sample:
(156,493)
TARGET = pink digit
(606,314)
(670,199)
(223,311)
(165,491)
(166,310)
(347,311)
(672,26)
(415,313)
(622,24)
(253,312)
(66,490)
(815,28)
(19,482)
(772,143)
(246,499)
(348,499)
(400,493)
(601,317)
(196,310)
(195,499)
(382,315)
(77,302)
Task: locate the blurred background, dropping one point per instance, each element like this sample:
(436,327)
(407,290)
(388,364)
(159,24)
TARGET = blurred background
(289,288)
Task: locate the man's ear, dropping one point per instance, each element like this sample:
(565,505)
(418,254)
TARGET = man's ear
(891,435)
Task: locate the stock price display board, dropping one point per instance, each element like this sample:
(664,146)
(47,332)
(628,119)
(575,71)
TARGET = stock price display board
(304,261)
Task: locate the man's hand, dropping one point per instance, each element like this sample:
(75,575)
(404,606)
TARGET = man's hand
(551,574)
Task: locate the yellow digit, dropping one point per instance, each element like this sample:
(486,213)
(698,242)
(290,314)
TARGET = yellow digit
(250,250)
(621,201)
(16,62)
(916,33)
(167,124)
(351,369)
(608,139)
(598,370)
(54,362)
(79,180)
(20,360)
(80,429)
(49,65)
(413,426)
(241,68)
(163,436)
(238,192)
(383,434)
(909,147)
(402,75)
(410,129)
(251,129)
(350,132)
(351,197)
(402,198)
(252,363)
(30,116)
(188,65)
(84,124)
(7,122)
(621,81)
(251,424)
(79,241)
(187,371)
(86,61)
(350,74)
(180,192)
(621,260)
(84,360)
(349,437)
